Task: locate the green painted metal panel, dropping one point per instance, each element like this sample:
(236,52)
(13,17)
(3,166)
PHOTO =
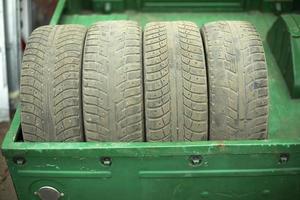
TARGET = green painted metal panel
(107,6)
(226,170)
(251,169)
(284,40)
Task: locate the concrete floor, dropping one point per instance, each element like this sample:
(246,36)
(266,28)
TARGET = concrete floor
(7,191)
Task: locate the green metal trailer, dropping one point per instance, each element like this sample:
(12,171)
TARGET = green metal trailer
(248,169)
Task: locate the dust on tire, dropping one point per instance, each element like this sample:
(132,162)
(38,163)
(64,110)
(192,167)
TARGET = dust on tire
(112,82)
(50,84)
(175,82)
(237,76)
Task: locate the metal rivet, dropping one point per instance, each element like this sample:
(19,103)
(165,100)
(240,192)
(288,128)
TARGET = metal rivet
(284,158)
(195,160)
(19,160)
(106,161)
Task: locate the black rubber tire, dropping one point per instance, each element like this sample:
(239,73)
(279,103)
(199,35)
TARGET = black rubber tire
(112,82)
(238,84)
(175,82)
(51,84)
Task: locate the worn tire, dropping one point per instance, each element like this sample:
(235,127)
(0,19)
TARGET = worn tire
(112,82)
(50,84)
(175,82)
(238,85)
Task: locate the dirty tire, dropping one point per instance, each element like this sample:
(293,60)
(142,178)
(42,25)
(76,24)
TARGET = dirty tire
(112,82)
(175,82)
(238,85)
(50,84)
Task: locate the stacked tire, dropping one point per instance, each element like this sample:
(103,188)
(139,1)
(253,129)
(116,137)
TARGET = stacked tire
(114,82)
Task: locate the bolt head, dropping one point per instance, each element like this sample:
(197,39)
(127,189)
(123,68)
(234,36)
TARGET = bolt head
(106,161)
(195,160)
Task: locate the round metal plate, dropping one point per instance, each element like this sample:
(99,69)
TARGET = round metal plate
(48,193)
